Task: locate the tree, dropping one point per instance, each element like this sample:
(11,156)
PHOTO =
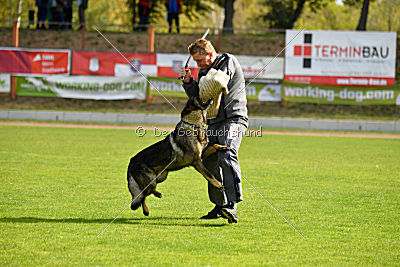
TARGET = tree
(132,7)
(229,12)
(284,14)
(362,23)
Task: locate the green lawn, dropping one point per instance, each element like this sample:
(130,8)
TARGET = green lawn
(61,186)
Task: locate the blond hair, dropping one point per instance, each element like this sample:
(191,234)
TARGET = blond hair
(201,47)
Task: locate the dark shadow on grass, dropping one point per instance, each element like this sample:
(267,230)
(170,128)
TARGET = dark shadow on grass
(167,221)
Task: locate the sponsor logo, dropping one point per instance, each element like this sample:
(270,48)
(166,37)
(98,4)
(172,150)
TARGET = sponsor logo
(136,64)
(43,57)
(37,58)
(177,65)
(271,92)
(372,52)
(305,50)
(308,50)
(331,95)
(94,64)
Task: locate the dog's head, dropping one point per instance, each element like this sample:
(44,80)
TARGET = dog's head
(195,111)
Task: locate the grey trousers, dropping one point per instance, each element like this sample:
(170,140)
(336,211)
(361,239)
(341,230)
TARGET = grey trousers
(224,165)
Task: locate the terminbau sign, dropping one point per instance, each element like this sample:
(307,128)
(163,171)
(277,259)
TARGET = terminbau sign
(341,58)
(351,51)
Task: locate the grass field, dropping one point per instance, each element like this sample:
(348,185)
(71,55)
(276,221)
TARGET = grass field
(60,187)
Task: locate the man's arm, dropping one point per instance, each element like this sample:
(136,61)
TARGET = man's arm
(190,85)
(191,88)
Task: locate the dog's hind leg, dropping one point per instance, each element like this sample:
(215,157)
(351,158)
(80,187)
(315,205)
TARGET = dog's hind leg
(145,208)
(157,194)
(137,194)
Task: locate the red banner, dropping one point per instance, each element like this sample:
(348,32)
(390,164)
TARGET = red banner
(113,64)
(170,64)
(169,72)
(30,61)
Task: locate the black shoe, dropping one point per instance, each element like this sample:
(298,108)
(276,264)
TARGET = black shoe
(229,212)
(215,213)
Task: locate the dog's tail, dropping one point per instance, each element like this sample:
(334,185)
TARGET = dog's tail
(136,192)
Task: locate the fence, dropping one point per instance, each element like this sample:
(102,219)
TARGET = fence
(150,37)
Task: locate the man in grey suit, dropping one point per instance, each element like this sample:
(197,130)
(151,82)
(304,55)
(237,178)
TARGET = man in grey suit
(227,128)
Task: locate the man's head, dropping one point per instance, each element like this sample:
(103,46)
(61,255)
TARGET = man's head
(203,53)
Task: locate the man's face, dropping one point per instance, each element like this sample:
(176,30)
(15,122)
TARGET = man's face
(203,61)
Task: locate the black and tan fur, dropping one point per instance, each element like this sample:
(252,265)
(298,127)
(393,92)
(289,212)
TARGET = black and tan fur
(184,147)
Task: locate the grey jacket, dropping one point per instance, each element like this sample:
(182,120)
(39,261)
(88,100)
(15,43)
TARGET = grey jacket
(233,105)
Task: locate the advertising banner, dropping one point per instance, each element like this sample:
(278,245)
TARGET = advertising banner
(255,91)
(24,61)
(261,67)
(113,63)
(169,65)
(343,58)
(83,87)
(167,86)
(328,94)
(5,83)
(264,92)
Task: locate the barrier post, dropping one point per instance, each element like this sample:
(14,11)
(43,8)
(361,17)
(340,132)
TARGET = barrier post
(219,40)
(148,93)
(83,36)
(151,39)
(15,44)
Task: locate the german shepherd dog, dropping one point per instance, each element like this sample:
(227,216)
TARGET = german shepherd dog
(184,147)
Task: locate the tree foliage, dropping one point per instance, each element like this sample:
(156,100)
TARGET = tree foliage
(383,15)
(283,14)
(331,17)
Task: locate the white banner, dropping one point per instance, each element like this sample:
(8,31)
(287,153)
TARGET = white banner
(5,83)
(261,67)
(170,64)
(126,70)
(341,57)
(84,87)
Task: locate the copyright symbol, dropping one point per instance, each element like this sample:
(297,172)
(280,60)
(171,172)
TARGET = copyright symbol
(140,131)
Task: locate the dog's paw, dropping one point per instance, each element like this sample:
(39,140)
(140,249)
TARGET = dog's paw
(223,148)
(146,213)
(157,194)
(221,188)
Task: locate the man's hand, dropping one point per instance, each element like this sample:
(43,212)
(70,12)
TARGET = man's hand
(186,74)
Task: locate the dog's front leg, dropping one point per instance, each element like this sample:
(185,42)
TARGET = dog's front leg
(212,149)
(198,165)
